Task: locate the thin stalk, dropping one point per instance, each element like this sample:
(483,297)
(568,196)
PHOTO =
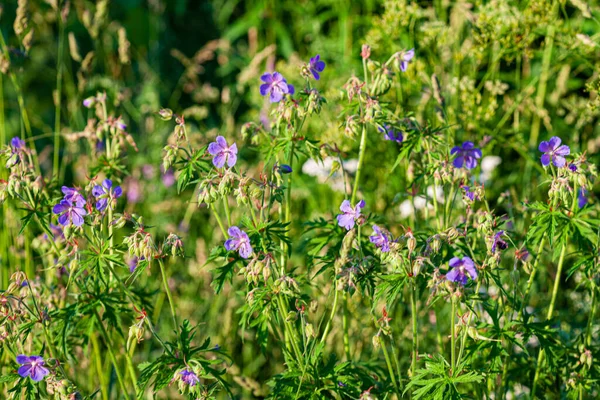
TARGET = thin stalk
(395,356)
(466,330)
(216,214)
(361,158)
(345,326)
(169,297)
(540,360)
(389,365)
(588,333)
(59,75)
(227,212)
(98,357)
(113,358)
(415,337)
(290,344)
(532,275)
(332,315)
(453,334)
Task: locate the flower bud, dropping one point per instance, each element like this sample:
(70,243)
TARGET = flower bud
(310,331)
(89,102)
(165,114)
(376,342)
(365,51)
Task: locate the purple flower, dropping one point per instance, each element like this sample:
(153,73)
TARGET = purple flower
(90,101)
(573,167)
(460,268)
(133,263)
(69,212)
(32,366)
(466,155)
(349,215)
(405,58)
(469,193)
(16,143)
(189,377)
(316,66)
(72,195)
(17,146)
(275,86)
(380,239)
(285,169)
(239,241)
(554,151)
(105,193)
(223,153)
(498,242)
(582,199)
(391,133)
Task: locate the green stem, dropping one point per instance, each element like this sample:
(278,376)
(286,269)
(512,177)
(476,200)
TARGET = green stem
(332,315)
(59,74)
(463,342)
(415,337)
(216,214)
(453,334)
(540,360)
(113,358)
(588,333)
(361,158)
(532,275)
(395,356)
(169,297)
(389,365)
(345,326)
(227,212)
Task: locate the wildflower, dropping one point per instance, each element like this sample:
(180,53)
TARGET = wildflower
(69,213)
(468,192)
(134,262)
(405,58)
(391,133)
(17,143)
(573,167)
(189,377)
(553,150)
(275,86)
(73,196)
(239,241)
(32,366)
(380,239)
(466,155)
(316,66)
(285,169)
(16,146)
(88,102)
(582,199)
(349,215)
(460,268)
(105,193)
(498,242)
(223,153)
